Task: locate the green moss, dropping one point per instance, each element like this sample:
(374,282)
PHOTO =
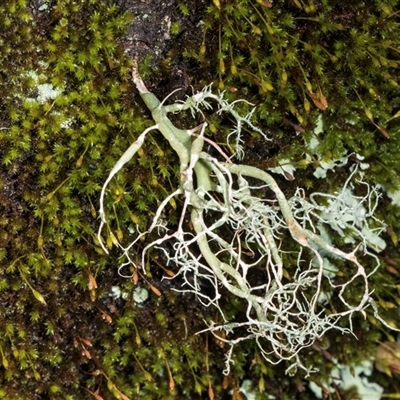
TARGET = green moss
(300,59)
(61,336)
(56,323)
(175,28)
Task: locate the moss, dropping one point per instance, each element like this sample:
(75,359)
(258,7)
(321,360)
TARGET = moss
(298,60)
(63,336)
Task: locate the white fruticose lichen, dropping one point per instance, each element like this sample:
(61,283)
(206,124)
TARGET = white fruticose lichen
(268,252)
(349,215)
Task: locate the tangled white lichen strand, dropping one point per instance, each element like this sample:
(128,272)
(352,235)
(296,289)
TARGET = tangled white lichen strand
(269,253)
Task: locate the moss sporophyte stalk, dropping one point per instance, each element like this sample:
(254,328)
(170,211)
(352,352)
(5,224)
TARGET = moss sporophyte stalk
(237,240)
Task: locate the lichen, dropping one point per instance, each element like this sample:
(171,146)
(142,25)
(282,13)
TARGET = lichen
(62,334)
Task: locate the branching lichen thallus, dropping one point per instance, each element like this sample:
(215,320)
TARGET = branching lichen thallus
(236,231)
